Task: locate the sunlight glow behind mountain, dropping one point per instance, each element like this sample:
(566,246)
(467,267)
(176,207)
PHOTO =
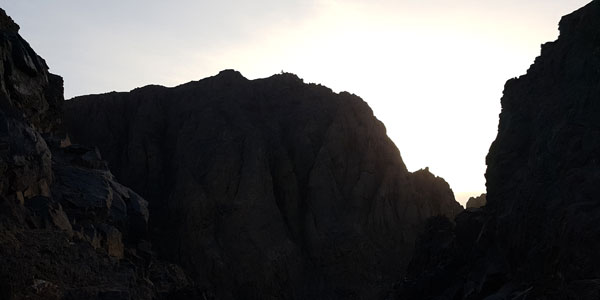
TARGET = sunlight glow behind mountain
(433,72)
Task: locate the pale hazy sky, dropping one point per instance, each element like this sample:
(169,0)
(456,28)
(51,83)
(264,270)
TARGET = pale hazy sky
(433,71)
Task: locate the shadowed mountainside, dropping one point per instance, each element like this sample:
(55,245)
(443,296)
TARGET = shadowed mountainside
(68,230)
(268,188)
(537,237)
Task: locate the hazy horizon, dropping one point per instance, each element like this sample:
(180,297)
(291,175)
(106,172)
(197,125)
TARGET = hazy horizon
(433,72)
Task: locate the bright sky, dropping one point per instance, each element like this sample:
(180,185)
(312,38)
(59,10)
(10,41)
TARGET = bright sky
(433,71)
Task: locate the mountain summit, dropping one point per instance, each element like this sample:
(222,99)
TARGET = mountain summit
(266,187)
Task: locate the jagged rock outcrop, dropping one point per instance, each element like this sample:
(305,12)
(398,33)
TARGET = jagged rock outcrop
(476,202)
(28,93)
(537,236)
(68,230)
(268,188)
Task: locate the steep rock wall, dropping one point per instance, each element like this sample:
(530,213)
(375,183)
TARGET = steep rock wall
(537,236)
(68,230)
(266,188)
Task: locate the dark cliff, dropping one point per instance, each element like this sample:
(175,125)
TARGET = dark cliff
(537,236)
(269,188)
(68,230)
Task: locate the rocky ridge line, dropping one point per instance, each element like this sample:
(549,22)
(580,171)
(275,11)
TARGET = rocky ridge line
(266,187)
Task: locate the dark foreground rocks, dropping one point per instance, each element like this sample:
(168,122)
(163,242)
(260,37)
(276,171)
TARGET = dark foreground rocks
(68,229)
(266,189)
(538,235)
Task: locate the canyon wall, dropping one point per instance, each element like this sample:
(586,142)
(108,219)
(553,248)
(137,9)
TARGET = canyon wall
(537,236)
(68,229)
(267,188)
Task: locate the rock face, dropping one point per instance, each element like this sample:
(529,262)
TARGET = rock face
(268,188)
(537,237)
(477,202)
(543,167)
(68,230)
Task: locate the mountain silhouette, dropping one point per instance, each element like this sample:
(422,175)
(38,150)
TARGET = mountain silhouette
(537,235)
(266,187)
